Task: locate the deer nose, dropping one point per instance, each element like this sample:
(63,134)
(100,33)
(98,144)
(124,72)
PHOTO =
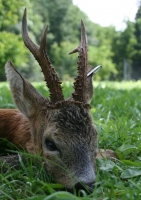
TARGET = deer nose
(88,188)
(83,186)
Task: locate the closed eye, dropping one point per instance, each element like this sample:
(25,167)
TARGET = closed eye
(50,145)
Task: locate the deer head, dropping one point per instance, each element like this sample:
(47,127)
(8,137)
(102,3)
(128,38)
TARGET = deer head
(62,130)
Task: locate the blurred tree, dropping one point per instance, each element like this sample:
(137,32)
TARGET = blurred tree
(11,44)
(64,63)
(59,15)
(102,56)
(123,47)
(102,52)
(11,48)
(106,46)
(9,14)
(137,53)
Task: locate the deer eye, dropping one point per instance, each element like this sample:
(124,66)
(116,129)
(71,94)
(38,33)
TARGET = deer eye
(50,145)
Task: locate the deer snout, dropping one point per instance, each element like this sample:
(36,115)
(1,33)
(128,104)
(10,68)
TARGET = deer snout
(89,187)
(87,176)
(82,186)
(86,180)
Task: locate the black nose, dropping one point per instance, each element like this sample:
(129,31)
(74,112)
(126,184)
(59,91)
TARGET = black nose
(83,186)
(88,188)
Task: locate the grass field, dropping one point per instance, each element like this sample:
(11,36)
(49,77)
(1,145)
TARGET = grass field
(116,110)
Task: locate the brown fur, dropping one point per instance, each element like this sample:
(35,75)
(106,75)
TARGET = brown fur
(14,126)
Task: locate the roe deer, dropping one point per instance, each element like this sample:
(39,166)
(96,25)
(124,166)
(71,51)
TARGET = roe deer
(61,130)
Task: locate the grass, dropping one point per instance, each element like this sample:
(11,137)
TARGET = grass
(116,109)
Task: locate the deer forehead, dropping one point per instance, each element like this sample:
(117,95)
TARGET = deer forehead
(74,119)
(68,124)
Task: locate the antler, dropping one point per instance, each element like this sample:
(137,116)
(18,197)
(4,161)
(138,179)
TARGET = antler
(80,81)
(51,78)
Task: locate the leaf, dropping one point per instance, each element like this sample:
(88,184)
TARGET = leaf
(61,196)
(131,163)
(107,165)
(40,197)
(125,150)
(130,173)
(139,157)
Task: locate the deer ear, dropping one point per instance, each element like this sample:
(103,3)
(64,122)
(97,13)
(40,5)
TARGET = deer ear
(24,94)
(89,85)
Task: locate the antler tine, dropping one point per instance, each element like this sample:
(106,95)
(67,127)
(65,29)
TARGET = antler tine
(26,39)
(51,78)
(80,81)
